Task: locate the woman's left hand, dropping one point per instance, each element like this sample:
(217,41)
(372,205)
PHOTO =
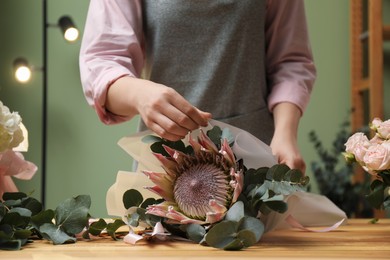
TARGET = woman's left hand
(284,143)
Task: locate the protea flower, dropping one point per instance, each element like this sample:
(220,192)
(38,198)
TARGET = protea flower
(197,188)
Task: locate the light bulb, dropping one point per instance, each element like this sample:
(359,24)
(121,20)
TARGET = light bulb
(71,34)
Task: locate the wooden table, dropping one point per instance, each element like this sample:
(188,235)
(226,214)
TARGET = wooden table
(359,239)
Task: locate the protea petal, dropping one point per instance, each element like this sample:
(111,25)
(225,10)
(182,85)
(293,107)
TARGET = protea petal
(195,145)
(227,152)
(179,217)
(217,212)
(168,164)
(206,143)
(238,183)
(166,194)
(160,209)
(161,179)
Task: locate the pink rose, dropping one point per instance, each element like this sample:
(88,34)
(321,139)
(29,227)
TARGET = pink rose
(382,128)
(377,157)
(357,145)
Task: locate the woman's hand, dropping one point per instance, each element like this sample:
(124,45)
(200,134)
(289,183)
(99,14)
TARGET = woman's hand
(163,110)
(284,143)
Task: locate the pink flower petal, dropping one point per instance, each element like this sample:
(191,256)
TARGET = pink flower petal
(165,194)
(217,212)
(181,218)
(238,183)
(132,238)
(227,152)
(206,143)
(168,164)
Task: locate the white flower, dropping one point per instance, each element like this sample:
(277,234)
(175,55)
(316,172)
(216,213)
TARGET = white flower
(11,134)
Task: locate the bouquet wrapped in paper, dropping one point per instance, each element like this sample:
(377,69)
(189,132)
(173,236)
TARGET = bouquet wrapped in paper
(221,187)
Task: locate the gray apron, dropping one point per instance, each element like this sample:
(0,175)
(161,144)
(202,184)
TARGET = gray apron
(213,53)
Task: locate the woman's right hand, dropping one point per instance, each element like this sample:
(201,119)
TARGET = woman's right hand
(163,110)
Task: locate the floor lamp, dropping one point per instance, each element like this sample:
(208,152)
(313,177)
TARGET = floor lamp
(23,73)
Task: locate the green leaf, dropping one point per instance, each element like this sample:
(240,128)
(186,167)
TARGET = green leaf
(215,135)
(148,202)
(51,232)
(278,206)
(222,234)
(97,227)
(22,212)
(3,211)
(247,238)
(15,219)
(253,176)
(13,245)
(236,212)
(22,233)
(149,139)
(132,198)
(33,205)
(295,175)
(254,225)
(195,232)
(42,218)
(14,196)
(277,172)
(113,227)
(6,232)
(72,214)
(376,196)
(228,135)
(134,219)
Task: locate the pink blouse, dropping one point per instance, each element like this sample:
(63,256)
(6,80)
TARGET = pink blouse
(113,41)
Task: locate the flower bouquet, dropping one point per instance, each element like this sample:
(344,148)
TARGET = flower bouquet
(374,156)
(13,140)
(222,189)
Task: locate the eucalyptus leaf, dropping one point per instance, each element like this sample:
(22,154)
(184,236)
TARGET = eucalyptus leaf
(56,235)
(134,219)
(195,232)
(151,139)
(22,233)
(113,227)
(215,135)
(254,225)
(228,135)
(222,234)
(15,219)
(3,211)
(14,196)
(278,206)
(247,238)
(6,231)
(72,214)
(236,212)
(295,175)
(42,218)
(97,227)
(148,202)
(277,172)
(376,196)
(21,211)
(132,198)
(33,205)
(12,245)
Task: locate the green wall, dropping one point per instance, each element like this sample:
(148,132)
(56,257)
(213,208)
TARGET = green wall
(83,157)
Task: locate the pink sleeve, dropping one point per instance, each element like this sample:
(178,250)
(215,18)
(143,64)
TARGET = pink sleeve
(290,68)
(111,48)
